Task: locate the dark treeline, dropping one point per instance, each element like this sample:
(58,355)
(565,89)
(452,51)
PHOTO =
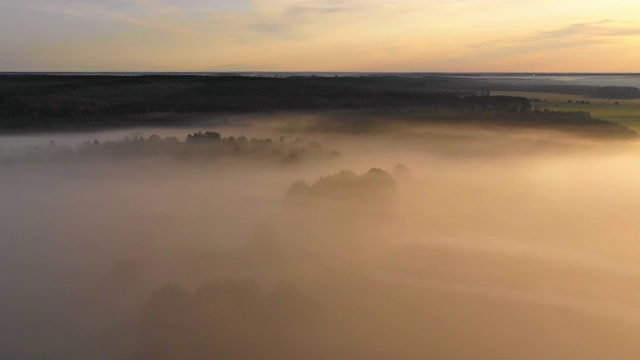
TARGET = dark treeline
(68,96)
(596,92)
(44,102)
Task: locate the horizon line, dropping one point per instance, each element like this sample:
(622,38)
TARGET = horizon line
(266,72)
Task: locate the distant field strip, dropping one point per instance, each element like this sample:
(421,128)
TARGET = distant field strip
(626,113)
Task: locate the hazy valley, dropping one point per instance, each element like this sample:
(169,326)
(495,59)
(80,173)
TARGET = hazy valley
(464,241)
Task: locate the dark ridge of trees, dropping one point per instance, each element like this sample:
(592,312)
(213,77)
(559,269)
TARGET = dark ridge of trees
(602,92)
(49,102)
(616,92)
(206,136)
(496,103)
(576,122)
(58,97)
(42,102)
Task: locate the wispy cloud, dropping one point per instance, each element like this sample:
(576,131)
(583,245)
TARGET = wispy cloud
(166,27)
(151,14)
(585,46)
(314,11)
(326,34)
(579,34)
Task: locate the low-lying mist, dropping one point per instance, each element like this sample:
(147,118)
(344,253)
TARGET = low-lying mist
(311,242)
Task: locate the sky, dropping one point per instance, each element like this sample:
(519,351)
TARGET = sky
(320,35)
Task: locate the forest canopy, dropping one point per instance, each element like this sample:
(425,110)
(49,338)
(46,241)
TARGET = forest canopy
(73,102)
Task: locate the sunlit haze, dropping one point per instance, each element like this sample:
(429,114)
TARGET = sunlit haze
(320,35)
(312,180)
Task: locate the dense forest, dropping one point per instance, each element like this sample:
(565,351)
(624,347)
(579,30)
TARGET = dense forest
(48,102)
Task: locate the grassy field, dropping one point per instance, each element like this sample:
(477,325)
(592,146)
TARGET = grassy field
(626,113)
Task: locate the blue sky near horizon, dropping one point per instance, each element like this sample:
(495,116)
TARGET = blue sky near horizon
(319,35)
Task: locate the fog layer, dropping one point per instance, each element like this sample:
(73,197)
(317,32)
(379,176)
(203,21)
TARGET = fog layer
(481,244)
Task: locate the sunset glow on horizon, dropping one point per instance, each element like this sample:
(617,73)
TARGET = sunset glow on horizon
(321,35)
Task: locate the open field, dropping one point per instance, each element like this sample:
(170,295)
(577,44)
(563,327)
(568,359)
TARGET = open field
(626,113)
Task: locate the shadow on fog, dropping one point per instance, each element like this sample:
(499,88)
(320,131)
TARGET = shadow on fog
(210,246)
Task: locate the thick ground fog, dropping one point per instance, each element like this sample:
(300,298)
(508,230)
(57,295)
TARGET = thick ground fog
(312,242)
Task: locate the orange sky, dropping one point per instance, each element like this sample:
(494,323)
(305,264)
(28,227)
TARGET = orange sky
(321,35)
